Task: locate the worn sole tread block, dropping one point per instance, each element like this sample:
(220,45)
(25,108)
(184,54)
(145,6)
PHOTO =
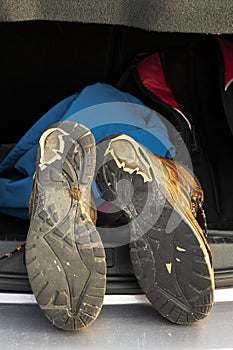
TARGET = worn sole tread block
(188,293)
(173,268)
(67,270)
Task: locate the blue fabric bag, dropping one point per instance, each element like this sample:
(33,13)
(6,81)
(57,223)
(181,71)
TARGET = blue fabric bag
(102,108)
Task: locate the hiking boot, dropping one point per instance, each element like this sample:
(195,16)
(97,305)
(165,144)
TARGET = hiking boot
(65,257)
(169,252)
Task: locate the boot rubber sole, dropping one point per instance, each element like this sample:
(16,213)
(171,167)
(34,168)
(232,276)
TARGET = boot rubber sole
(169,258)
(65,257)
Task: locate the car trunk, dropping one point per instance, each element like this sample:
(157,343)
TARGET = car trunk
(50,52)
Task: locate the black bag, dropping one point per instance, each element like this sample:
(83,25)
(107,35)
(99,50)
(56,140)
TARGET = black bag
(192,88)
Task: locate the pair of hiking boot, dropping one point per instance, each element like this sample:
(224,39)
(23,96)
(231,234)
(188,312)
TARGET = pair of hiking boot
(65,255)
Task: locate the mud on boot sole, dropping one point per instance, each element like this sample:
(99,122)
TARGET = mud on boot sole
(65,257)
(169,259)
(174,271)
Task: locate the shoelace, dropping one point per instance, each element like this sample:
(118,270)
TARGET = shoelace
(16,250)
(196,205)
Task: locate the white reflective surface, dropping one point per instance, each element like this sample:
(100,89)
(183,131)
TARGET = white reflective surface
(221,295)
(120,327)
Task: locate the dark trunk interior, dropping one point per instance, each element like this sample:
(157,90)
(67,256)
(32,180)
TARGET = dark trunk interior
(43,62)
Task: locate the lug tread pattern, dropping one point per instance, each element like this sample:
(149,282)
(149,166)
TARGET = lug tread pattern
(65,256)
(173,268)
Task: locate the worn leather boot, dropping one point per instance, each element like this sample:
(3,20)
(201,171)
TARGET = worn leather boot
(65,257)
(169,252)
